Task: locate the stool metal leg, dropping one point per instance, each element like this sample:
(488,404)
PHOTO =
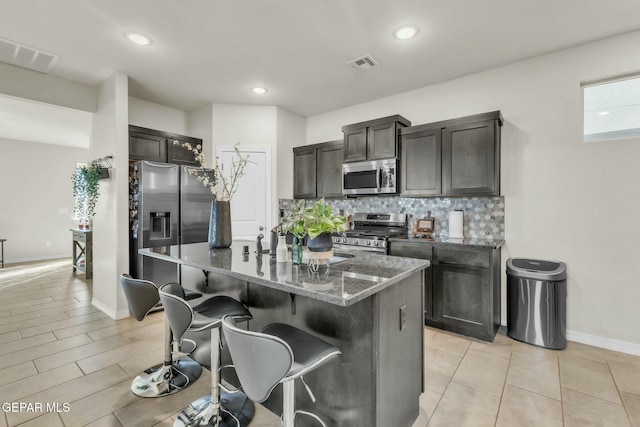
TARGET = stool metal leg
(215,371)
(288,403)
(169,377)
(237,411)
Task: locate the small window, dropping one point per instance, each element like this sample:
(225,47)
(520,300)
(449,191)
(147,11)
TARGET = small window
(612,109)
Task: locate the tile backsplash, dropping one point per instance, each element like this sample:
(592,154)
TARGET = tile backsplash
(483,216)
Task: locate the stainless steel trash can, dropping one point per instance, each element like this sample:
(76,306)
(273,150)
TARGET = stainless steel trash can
(537,302)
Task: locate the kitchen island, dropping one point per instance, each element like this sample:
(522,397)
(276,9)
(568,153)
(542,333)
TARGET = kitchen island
(368,305)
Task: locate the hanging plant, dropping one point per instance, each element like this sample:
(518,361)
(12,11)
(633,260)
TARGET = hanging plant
(86,188)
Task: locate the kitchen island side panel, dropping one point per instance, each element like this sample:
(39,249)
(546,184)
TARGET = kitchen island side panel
(399,349)
(378,379)
(345,386)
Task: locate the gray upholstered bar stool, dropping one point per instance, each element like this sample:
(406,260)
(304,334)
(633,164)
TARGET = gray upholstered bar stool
(172,375)
(221,408)
(278,354)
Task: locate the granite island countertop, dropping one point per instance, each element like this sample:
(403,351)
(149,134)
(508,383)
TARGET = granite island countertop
(474,242)
(344,283)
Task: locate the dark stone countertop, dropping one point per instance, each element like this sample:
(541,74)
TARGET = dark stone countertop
(343,284)
(473,242)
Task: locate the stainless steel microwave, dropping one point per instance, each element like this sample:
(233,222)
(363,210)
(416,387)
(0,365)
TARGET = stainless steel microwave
(372,177)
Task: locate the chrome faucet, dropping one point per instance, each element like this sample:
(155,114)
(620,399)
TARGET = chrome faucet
(259,245)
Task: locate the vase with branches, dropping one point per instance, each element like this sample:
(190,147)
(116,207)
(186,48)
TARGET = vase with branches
(222,185)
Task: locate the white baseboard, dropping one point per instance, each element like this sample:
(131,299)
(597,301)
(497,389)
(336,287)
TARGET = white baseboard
(608,343)
(123,314)
(8,261)
(601,342)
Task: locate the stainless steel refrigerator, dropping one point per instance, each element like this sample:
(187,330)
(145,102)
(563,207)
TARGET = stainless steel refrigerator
(172,207)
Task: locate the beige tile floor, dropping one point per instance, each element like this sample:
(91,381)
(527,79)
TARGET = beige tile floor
(56,347)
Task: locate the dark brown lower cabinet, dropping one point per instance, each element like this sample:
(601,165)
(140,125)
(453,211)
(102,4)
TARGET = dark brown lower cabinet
(420,251)
(461,297)
(462,286)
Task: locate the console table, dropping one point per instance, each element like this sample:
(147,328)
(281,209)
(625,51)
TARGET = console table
(82,251)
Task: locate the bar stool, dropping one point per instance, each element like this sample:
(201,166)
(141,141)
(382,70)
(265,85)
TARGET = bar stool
(222,407)
(172,375)
(278,354)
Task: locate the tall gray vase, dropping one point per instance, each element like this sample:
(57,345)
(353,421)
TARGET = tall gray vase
(220,225)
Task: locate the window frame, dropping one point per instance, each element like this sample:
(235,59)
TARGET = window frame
(616,135)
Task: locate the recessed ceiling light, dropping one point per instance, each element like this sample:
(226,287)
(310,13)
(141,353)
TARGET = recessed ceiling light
(258,90)
(603,113)
(137,38)
(406,32)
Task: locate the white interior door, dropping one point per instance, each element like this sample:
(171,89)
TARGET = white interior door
(251,205)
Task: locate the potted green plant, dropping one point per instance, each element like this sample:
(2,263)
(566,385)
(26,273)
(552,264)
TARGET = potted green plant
(317,221)
(86,188)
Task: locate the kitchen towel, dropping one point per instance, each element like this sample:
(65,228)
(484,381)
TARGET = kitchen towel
(456,224)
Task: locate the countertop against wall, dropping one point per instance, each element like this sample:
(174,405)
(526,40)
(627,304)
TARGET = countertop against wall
(467,241)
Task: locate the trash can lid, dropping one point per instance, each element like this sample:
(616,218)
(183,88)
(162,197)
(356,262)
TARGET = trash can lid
(536,269)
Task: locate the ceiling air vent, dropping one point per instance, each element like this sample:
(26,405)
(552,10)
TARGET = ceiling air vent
(26,57)
(363,63)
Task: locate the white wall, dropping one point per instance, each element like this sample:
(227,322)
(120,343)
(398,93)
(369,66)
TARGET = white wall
(291,133)
(36,208)
(565,200)
(250,125)
(28,84)
(200,124)
(155,116)
(254,125)
(111,222)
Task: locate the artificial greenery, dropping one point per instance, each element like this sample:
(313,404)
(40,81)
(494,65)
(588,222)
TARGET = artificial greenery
(86,188)
(313,220)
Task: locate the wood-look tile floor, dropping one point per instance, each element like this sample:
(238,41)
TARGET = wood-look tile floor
(57,348)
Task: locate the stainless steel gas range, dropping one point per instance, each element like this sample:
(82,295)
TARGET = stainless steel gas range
(371,232)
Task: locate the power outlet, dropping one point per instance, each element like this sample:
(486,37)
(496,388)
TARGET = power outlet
(403,317)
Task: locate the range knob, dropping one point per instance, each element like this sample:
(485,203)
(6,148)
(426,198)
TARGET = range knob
(368,242)
(355,242)
(376,243)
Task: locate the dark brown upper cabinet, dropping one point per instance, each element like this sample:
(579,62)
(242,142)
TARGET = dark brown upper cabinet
(373,139)
(329,169)
(145,146)
(471,158)
(180,155)
(304,172)
(459,157)
(421,154)
(158,146)
(317,170)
